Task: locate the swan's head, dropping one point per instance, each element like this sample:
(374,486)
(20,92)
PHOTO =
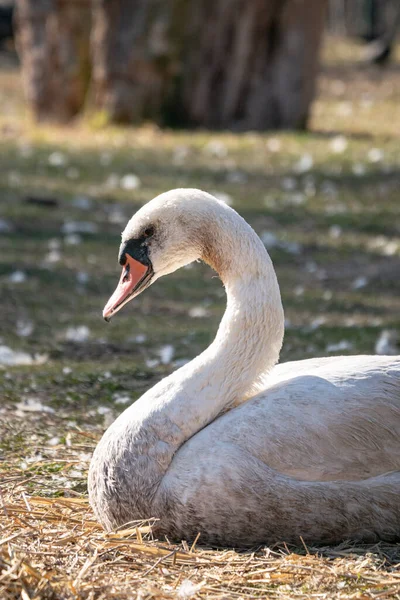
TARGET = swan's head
(167,233)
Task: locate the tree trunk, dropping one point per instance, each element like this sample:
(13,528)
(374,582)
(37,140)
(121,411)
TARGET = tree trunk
(254,64)
(224,64)
(132,58)
(235,64)
(53,43)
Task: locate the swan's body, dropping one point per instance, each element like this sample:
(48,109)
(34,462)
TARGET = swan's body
(230,445)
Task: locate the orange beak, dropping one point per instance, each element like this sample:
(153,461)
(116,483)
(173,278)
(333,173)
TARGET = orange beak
(133,274)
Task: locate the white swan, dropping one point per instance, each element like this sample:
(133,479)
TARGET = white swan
(230,445)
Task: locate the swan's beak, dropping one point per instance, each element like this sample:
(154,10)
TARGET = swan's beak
(133,280)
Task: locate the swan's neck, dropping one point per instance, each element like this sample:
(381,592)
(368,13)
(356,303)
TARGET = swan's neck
(146,436)
(246,346)
(248,340)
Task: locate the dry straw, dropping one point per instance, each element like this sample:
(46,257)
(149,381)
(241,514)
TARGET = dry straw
(52,548)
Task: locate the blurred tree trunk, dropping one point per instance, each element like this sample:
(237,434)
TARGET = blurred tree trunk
(221,64)
(236,64)
(367,19)
(254,64)
(131,57)
(53,43)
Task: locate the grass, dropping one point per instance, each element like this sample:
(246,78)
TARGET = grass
(326,204)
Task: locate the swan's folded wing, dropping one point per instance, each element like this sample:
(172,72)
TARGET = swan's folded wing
(331,419)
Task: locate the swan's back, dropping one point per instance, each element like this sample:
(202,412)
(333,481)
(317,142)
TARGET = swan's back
(318,420)
(353,370)
(315,454)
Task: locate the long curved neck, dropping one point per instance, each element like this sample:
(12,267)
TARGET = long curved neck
(249,337)
(144,439)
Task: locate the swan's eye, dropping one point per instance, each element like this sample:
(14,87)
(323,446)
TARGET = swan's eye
(148,232)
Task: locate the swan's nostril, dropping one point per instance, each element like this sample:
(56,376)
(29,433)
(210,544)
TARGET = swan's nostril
(126,275)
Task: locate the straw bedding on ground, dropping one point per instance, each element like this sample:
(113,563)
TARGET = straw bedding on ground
(52,548)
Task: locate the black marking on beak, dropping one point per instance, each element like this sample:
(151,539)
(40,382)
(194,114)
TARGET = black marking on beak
(137,249)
